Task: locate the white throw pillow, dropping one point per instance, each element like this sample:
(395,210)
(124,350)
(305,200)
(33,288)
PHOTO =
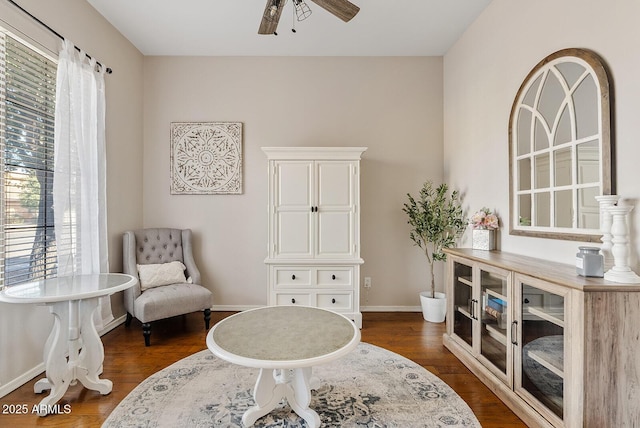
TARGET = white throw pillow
(161,274)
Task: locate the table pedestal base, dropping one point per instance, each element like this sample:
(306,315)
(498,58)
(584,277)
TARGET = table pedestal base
(73,332)
(273,385)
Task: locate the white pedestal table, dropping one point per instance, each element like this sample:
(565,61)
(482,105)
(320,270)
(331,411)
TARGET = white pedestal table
(284,342)
(73,350)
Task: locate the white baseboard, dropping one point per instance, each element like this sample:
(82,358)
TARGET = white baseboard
(390,309)
(21,380)
(234,308)
(40,368)
(113,324)
(239,308)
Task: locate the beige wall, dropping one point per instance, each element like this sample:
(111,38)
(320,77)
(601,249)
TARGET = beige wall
(482,73)
(393,106)
(21,349)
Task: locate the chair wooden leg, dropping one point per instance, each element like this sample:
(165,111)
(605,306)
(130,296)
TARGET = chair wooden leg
(146,332)
(127,322)
(207,318)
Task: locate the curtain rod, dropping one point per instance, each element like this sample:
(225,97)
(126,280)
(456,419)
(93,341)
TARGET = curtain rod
(107,70)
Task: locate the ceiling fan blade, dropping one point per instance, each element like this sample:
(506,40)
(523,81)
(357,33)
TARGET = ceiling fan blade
(343,9)
(269,24)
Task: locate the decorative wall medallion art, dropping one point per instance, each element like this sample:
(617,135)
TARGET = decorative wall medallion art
(206,158)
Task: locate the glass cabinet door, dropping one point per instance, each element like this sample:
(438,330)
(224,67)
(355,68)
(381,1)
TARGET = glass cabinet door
(463,302)
(541,344)
(494,319)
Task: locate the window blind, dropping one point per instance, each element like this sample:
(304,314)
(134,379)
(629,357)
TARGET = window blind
(27,117)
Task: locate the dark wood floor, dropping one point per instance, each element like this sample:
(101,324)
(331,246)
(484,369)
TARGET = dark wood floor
(128,362)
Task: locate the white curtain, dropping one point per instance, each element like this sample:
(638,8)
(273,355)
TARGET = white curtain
(79,181)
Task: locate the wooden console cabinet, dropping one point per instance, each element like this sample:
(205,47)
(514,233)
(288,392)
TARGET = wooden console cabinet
(559,349)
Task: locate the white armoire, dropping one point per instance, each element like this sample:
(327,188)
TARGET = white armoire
(314,228)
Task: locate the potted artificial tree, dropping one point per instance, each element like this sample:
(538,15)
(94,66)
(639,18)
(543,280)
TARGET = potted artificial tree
(437,221)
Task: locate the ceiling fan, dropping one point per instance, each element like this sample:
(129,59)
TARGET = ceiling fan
(343,9)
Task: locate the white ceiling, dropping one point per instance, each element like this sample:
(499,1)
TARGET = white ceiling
(230,27)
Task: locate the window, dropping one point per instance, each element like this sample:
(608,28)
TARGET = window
(27,108)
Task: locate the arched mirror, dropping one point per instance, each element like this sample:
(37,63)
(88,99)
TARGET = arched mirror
(560,148)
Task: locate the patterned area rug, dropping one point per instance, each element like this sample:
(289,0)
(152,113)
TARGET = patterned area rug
(370,387)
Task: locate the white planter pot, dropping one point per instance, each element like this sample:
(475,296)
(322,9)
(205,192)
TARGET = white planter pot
(433,309)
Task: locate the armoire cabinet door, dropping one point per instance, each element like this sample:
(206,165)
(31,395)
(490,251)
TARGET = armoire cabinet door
(315,209)
(336,206)
(293,202)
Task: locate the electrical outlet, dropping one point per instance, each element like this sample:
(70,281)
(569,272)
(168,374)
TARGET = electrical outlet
(367,282)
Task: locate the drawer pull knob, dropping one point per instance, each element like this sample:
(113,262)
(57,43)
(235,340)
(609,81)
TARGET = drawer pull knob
(293,277)
(293,300)
(333,277)
(333,300)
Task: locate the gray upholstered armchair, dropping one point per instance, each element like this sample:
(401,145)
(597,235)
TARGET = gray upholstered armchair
(168,277)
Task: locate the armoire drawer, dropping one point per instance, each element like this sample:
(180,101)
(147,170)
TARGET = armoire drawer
(292,276)
(335,301)
(283,299)
(335,276)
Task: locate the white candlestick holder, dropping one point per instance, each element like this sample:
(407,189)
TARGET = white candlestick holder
(605,202)
(620,272)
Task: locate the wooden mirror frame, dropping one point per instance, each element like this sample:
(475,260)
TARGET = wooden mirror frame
(596,68)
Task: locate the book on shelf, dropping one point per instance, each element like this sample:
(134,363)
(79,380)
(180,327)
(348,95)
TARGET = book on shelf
(498,316)
(493,312)
(497,304)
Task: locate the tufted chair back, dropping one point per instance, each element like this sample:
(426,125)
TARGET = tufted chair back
(154,246)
